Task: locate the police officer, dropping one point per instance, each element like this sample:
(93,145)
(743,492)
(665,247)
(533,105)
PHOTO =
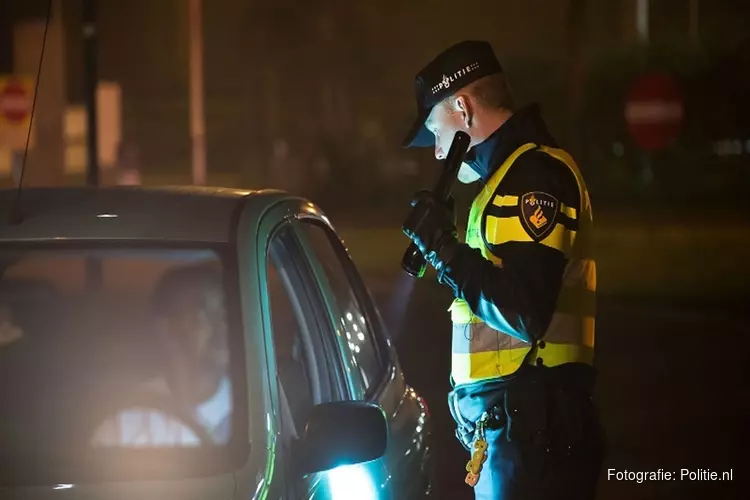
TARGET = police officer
(524,283)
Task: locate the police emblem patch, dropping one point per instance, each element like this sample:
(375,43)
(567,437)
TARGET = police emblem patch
(538,214)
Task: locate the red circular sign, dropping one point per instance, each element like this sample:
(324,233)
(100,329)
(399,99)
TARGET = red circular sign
(654,111)
(15,102)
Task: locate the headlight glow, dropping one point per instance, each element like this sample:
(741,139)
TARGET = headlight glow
(351,481)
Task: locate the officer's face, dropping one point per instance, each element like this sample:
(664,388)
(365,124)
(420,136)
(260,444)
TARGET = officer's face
(447,118)
(444,122)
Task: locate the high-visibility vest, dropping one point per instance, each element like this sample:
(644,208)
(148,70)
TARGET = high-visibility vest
(480,352)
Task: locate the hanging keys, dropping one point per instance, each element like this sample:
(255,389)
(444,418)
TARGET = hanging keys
(471,479)
(478,455)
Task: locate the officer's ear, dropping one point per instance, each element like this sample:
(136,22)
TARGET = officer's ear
(463,106)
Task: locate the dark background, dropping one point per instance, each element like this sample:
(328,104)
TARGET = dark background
(334,80)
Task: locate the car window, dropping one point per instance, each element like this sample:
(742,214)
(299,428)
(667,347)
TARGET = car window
(292,369)
(351,316)
(129,354)
(305,362)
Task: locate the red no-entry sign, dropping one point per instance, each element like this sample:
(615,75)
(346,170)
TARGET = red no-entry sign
(654,111)
(15,102)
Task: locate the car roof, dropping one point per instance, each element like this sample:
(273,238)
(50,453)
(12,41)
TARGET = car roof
(172,213)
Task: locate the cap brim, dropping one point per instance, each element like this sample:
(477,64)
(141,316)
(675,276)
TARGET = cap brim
(419,136)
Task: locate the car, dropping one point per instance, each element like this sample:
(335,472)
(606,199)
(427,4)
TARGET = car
(196,342)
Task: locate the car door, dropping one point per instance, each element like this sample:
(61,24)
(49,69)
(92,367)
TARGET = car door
(306,363)
(369,357)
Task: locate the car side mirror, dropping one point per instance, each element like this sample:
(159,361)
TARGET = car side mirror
(341,433)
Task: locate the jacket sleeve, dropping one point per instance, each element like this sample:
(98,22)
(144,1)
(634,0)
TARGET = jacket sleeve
(527,227)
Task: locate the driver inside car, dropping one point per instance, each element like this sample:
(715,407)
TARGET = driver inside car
(192,401)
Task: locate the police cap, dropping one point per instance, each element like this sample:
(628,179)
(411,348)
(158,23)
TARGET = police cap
(455,68)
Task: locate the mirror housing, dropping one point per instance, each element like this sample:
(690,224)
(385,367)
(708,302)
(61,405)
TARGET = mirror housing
(341,433)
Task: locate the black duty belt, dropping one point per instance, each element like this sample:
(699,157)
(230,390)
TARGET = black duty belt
(525,395)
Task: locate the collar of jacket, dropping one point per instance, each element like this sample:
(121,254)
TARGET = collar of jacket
(525,125)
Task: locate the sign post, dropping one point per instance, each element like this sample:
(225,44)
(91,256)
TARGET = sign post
(16,100)
(654,114)
(654,111)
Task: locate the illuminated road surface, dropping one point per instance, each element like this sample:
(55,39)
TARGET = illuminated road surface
(673,388)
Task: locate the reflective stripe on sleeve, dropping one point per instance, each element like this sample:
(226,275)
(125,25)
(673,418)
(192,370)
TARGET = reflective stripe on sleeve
(501,230)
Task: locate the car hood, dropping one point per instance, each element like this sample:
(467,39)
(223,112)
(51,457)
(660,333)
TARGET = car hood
(214,488)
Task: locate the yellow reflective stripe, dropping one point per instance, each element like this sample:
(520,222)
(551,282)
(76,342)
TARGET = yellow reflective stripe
(466,368)
(492,257)
(568,160)
(461,312)
(564,157)
(559,354)
(571,328)
(494,181)
(501,230)
(480,337)
(486,194)
(561,238)
(567,326)
(506,201)
(481,363)
(569,211)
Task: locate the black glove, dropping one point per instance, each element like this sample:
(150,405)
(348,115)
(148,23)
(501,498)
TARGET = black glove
(431,226)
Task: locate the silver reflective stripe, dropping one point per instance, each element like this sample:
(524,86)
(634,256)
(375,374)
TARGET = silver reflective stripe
(570,329)
(564,328)
(470,338)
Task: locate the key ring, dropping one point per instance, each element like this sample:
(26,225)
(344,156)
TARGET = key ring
(479,453)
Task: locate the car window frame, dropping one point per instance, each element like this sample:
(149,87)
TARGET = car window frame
(314,303)
(361,294)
